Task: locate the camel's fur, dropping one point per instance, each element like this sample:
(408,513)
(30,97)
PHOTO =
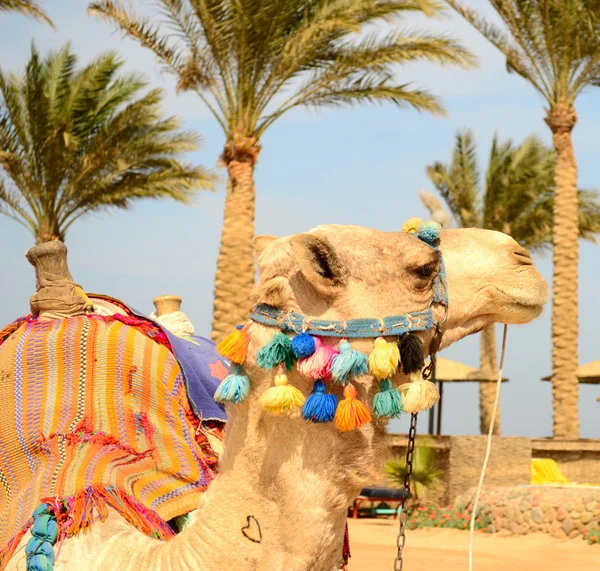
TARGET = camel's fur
(297,478)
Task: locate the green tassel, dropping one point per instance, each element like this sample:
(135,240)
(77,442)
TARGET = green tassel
(275,352)
(387,402)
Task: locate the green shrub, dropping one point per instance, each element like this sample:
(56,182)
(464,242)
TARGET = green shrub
(448,517)
(592,535)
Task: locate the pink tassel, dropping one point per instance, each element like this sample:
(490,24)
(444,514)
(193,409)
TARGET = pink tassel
(318,365)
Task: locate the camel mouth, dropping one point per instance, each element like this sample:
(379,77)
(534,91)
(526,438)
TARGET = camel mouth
(521,308)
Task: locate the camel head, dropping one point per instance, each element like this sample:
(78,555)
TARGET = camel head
(348,272)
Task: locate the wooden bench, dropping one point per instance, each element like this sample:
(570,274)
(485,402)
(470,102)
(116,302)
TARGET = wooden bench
(386,495)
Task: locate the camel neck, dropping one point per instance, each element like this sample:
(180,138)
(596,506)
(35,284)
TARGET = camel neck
(282,494)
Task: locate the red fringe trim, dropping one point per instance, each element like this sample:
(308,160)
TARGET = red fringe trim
(145,326)
(346,549)
(84,433)
(77,514)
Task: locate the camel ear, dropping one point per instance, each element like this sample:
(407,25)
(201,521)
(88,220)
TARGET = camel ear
(319,263)
(260,243)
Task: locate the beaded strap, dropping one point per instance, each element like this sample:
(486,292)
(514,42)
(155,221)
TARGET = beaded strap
(354,328)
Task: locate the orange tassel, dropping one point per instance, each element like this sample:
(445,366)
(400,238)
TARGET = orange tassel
(235,346)
(351,413)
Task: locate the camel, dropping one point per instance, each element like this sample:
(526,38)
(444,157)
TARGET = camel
(284,484)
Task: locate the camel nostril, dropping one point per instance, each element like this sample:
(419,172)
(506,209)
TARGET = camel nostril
(523,257)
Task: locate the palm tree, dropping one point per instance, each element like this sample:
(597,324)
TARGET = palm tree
(73,141)
(251,61)
(517,199)
(27,7)
(555,46)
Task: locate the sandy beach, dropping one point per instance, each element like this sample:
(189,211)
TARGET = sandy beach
(373,549)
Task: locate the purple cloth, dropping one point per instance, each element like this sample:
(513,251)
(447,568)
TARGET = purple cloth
(203,369)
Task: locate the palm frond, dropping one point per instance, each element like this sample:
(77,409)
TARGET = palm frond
(553,44)
(81,140)
(29,8)
(241,56)
(423,473)
(519,191)
(589,215)
(458,182)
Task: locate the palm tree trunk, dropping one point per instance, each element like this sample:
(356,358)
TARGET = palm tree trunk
(48,232)
(235,265)
(488,366)
(565,311)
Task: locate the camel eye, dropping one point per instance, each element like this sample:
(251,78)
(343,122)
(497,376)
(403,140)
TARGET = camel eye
(426,271)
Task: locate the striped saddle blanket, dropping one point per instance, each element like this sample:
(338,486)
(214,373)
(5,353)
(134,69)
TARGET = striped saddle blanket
(95,413)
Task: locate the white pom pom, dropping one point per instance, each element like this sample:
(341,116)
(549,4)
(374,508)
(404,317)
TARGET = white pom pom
(418,394)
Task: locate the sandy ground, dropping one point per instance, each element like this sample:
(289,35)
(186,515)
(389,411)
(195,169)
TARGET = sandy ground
(372,542)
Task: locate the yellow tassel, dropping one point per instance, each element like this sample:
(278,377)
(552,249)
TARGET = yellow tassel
(351,413)
(235,346)
(384,359)
(418,394)
(412,225)
(282,398)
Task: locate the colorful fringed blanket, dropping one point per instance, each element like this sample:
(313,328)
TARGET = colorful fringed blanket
(94,413)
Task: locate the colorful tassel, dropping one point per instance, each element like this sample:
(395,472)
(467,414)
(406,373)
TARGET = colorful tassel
(234,387)
(387,402)
(282,398)
(303,345)
(348,365)
(319,406)
(412,225)
(39,550)
(351,413)
(429,231)
(384,359)
(275,352)
(45,528)
(418,394)
(411,353)
(318,365)
(41,509)
(235,346)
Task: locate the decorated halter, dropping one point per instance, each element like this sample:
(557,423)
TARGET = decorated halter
(298,344)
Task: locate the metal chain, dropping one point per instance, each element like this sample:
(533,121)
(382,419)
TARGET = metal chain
(410,449)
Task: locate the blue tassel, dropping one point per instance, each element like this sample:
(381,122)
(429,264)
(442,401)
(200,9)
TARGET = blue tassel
(275,352)
(387,402)
(33,546)
(348,365)
(319,406)
(303,345)
(429,231)
(39,549)
(40,562)
(45,528)
(41,509)
(234,387)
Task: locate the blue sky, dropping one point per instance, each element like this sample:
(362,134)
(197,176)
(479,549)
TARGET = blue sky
(360,166)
